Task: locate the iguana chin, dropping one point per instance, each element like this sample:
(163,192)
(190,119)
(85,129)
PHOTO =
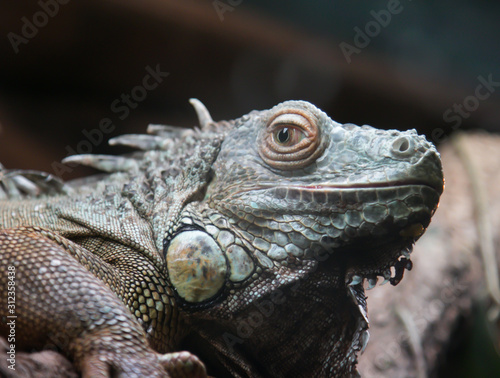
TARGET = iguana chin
(245,242)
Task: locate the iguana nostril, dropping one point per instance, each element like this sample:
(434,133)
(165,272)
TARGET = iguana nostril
(402,146)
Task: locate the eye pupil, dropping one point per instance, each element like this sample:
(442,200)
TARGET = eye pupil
(283,135)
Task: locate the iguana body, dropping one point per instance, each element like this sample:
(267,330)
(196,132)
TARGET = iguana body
(245,242)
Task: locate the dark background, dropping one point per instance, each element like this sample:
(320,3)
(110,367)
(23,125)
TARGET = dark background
(236,56)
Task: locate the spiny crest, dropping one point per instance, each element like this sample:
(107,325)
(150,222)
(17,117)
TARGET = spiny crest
(160,148)
(204,116)
(159,138)
(16,184)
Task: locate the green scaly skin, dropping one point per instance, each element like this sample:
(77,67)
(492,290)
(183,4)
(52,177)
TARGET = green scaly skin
(245,242)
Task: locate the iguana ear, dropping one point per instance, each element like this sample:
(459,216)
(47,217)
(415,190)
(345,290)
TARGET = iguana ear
(196,266)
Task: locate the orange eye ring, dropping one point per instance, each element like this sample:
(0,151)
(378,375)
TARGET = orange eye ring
(291,140)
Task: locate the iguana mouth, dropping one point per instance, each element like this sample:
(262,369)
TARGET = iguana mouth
(438,187)
(296,190)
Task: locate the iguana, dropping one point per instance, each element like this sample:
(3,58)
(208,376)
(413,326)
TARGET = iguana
(246,243)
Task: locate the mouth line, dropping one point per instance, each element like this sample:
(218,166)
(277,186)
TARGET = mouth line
(371,185)
(325,187)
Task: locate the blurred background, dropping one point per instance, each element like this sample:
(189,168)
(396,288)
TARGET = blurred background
(75,73)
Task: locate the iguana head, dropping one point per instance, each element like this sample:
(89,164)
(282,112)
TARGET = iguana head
(269,265)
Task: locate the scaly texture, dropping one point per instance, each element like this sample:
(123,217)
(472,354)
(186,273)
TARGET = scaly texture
(449,280)
(245,242)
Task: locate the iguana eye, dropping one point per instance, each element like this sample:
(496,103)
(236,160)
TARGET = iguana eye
(290,141)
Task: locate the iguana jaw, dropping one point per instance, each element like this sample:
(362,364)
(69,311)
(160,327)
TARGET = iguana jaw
(339,218)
